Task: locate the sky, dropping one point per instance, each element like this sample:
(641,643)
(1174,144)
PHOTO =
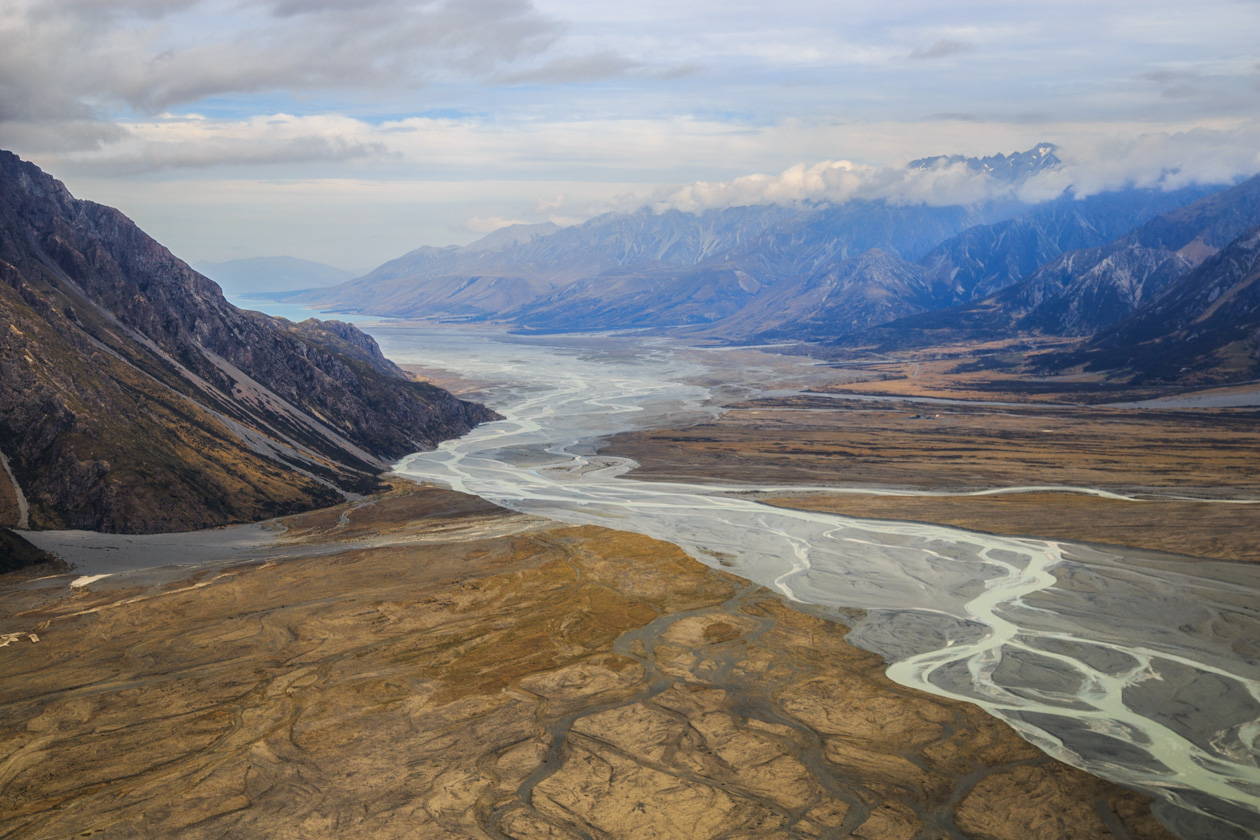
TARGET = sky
(352,131)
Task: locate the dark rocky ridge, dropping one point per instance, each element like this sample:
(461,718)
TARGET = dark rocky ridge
(1204,328)
(1010,167)
(1088,290)
(134,398)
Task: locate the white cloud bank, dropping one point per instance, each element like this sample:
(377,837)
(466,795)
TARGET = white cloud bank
(1091,164)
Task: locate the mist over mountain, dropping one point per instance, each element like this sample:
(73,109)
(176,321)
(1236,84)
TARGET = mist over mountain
(134,398)
(271,274)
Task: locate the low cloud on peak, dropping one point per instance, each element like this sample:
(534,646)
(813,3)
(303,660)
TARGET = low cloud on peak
(938,182)
(1162,160)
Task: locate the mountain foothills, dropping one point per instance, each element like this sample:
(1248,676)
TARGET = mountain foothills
(862,275)
(134,398)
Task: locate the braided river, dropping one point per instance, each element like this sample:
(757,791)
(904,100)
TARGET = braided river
(1138,667)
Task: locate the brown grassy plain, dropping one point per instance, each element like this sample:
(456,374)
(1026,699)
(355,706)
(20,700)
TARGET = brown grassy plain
(1012,431)
(426,665)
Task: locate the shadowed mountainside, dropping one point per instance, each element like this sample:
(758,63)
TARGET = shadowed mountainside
(1204,327)
(134,398)
(1086,291)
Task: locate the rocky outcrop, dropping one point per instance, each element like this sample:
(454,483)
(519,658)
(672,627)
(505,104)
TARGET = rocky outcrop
(134,398)
(16,553)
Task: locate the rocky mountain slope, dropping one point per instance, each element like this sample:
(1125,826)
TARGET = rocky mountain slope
(802,244)
(1084,291)
(876,287)
(987,258)
(1203,328)
(518,265)
(134,398)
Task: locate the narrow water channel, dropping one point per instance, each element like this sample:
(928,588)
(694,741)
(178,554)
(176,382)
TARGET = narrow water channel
(1140,668)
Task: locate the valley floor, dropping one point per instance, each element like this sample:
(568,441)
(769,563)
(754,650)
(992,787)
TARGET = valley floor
(425,664)
(935,436)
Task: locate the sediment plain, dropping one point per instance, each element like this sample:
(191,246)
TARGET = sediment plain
(423,663)
(1174,465)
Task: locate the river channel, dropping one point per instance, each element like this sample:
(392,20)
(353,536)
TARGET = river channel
(1137,667)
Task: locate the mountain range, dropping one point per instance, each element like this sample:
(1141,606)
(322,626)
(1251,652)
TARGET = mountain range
(134,398)
(1117,295)
(669,268)
(763,273)
(1203,327)
(871,274)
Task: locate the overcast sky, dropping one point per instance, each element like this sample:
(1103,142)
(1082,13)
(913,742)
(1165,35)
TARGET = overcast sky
(351,131)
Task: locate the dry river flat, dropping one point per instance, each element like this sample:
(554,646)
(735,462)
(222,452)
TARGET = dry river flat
(424,664)
(855,441)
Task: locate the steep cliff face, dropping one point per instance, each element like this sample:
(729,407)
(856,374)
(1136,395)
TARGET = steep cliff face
(134,398)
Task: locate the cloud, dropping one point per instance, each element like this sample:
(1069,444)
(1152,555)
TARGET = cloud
(197,143)
(152,55)
(489,224)
(1092,163)
(311,148)
(941,49)
(96,10)
(954,116)
(63,136)
(544,206)
(1167,160)
(576,69)
(1176,84)
(839,181)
